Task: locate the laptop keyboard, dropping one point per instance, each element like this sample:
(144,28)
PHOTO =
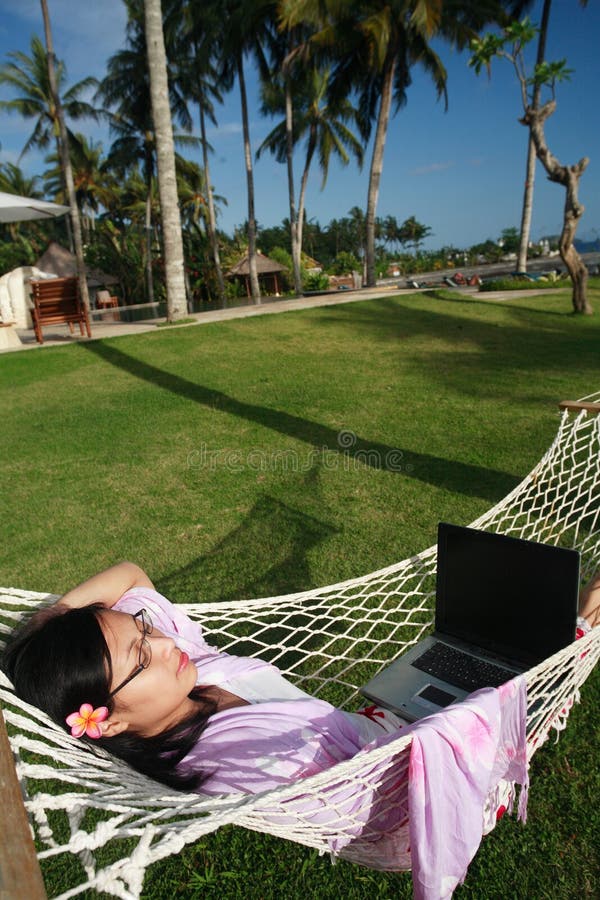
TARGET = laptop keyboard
(461,669)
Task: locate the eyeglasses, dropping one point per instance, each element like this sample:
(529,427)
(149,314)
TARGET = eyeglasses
(144,624)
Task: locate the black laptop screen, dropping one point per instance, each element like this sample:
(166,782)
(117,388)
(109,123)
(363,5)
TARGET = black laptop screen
(516,599)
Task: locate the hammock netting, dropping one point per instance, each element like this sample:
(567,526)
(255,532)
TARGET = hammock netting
(329,641)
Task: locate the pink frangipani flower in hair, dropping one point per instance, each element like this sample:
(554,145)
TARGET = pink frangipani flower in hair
(87,721)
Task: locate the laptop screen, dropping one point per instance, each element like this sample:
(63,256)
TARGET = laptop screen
(516,599)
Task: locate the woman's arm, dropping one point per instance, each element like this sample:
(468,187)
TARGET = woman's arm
(589,604)
(107,587)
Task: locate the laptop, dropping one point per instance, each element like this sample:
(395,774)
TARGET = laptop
(502,605)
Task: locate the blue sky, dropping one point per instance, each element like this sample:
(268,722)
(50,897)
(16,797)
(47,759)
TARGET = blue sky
(460,172)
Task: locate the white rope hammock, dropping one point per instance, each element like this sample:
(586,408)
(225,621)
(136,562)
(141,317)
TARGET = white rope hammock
(329,641)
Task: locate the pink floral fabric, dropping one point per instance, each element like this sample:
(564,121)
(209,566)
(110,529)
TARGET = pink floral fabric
(458,757)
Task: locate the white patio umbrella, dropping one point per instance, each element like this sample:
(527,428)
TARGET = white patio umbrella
(19,209)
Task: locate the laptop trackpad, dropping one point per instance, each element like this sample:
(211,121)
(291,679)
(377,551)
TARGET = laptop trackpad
(434,697)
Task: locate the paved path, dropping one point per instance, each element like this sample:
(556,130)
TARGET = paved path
(59,334)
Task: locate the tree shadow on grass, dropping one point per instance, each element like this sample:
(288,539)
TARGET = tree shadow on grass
(396,318)
(265,556)
(475,349)
(458,477)
(504,303)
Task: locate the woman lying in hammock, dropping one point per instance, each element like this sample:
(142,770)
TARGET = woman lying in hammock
(116,662)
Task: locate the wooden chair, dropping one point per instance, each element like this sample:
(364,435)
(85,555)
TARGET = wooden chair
(106,301)
(57,302)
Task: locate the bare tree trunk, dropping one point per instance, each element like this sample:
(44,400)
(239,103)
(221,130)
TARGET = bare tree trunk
(531,157)
(165,156)
(254,285)
(212,219)
(569,177)
(289,136)
(383,119)
(63,146)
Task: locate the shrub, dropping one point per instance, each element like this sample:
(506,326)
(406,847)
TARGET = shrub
(235,289)
(317,281)
(121,252)
(16,253)
(281,255)
(345,263)
(518,284)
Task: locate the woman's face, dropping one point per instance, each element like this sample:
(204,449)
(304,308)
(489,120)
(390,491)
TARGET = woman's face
(157,698)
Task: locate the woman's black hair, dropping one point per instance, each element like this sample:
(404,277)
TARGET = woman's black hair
(60,659)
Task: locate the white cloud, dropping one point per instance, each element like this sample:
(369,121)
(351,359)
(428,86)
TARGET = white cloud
(224,130)
(433,167)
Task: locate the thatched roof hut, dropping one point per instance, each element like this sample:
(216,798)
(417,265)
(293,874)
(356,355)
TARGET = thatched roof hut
(311,265)
(267,270)
(60,261)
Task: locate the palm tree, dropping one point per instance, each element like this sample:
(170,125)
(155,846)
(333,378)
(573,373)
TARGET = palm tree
(134,200)
(63,149)
(374,45)
(126,90)
(280,95)
(358,225)
(167,178)
(14,181)
(192,190)
(40,79)
(95,186)
(342,238)
(195,32)
(527,209)
(391,231)
(243,29)
(28,75)
(132,148)
(205,109)
(320,122)
(413,232)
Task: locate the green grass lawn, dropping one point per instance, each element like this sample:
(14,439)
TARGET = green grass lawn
(211,456)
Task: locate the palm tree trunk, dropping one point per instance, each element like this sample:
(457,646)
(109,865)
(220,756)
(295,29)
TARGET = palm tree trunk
(212,219)
(377,164)
(86,220)
(527,207)
(67,219)
(165,158)
(148,230)
(289,137)
(312,143)
(63,146)
(254,285)
(531,155)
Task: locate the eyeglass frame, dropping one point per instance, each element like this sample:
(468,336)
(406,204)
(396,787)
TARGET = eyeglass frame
(147,628)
